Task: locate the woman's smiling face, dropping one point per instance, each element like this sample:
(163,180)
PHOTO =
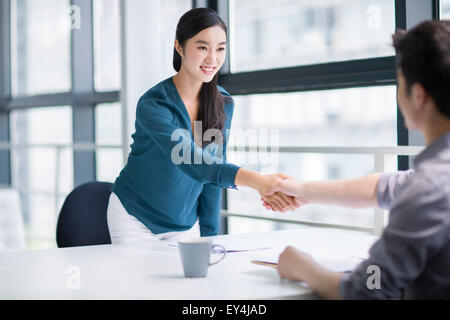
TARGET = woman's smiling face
(204,54)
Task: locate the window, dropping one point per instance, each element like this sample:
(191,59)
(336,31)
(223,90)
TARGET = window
(292,33)
(445,9)
(345,117)
(107,45)
(108,132)
(40,46)
(42,167)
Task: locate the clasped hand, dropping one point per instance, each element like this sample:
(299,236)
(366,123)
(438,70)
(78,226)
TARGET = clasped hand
(273,197)
(282,194)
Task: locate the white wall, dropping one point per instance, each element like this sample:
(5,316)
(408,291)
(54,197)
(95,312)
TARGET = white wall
(148,34)
(141,67)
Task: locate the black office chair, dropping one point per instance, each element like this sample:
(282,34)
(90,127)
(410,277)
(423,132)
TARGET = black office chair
(82,220)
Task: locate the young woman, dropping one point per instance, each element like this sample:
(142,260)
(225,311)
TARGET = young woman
(171,184)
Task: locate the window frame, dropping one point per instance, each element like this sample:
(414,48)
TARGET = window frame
(5,93)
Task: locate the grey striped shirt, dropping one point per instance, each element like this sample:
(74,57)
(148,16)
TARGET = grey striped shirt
(413,253)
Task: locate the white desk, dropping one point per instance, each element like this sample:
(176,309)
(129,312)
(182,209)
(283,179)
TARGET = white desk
(154,270)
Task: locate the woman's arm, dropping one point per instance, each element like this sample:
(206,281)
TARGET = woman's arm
(154,116)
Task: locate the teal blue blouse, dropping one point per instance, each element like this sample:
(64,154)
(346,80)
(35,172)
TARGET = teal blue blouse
(161,191)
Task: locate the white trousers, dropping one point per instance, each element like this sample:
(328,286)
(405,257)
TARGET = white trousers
(125,228)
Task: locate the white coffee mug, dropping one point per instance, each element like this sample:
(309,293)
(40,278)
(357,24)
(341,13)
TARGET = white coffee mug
(195,255)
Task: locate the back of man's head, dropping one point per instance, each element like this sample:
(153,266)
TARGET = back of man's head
(423,56)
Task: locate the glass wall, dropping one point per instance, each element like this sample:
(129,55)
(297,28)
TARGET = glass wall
(42,168)
(40,46)
(445,9)
(42,135)
(355,117)
(108,133)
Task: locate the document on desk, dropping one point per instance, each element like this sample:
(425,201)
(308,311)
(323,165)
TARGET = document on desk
(334,263)
(239,246)
(233,246)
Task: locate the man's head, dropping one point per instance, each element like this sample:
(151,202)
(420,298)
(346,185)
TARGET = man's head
(423,65)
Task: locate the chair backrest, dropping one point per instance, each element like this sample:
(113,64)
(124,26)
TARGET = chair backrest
(82,220)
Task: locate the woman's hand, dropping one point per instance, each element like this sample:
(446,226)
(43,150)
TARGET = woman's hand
(290,188)
(267,182)
(264,183)
(279,201)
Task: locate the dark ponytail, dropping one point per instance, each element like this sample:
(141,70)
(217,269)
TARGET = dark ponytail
(211,111)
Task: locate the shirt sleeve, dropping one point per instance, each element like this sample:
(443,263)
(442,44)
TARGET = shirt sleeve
(209,210)
(156,117)
(417,230)
(210,199)
(388,186)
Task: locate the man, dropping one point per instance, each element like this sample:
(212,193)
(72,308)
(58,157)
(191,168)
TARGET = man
(413,253)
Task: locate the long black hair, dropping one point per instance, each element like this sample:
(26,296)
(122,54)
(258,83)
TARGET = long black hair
(211,111)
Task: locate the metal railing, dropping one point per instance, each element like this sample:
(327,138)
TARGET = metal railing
(59,148)
(378,153)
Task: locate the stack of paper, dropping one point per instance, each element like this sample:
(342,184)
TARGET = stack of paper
(334,263)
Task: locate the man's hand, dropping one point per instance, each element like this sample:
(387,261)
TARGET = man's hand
(294,264)
(264,183)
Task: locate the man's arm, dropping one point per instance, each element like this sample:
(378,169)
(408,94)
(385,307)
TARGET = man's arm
(417,231)
(353,193)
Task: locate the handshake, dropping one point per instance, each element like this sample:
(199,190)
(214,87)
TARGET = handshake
(278,192)
(283,195)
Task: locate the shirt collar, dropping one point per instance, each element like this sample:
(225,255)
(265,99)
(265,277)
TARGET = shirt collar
(441,143)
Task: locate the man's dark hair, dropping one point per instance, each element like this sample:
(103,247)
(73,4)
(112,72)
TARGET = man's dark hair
(423,56)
